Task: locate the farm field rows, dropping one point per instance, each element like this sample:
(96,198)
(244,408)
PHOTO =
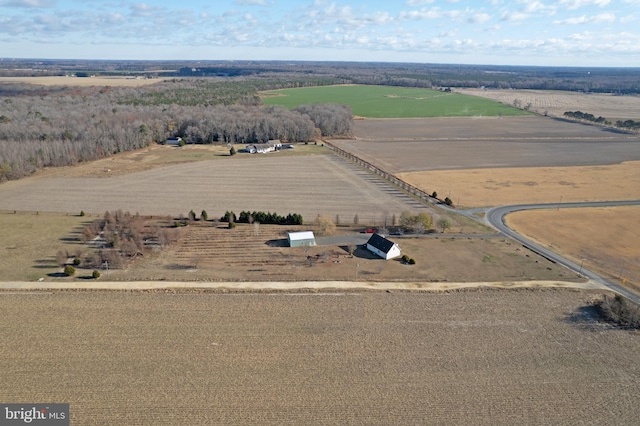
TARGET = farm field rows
(481,357)
(390,102)
(556,102)
(309,185)
(465,143)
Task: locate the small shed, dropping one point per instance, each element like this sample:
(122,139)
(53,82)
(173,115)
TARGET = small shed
(301,239)
(383,247)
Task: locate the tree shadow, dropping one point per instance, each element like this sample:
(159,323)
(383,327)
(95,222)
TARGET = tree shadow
(178,267)
(57,275)
(280,242)
(586,318)
(45,264)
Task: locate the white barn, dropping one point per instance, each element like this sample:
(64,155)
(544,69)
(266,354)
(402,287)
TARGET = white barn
(382,247)
(301,239)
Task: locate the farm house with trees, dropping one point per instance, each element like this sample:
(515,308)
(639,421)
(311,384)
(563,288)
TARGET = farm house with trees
(383,247)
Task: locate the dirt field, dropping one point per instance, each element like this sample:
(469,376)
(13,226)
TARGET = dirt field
(503,186)
(81,81)
(309,185)
(608,239)
(466,143)
(482,357)
(556,103)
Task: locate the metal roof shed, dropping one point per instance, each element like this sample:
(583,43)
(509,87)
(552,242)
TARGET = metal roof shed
(301,239)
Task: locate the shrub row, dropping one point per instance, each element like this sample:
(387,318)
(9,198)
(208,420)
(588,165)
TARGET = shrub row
(263,217)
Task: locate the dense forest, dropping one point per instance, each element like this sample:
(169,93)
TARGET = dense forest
(59,126)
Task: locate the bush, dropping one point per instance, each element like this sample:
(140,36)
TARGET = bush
(232,225)
(448,201)
(619,311)
(95,274)
(192,215)
(434,195)
(69,270)
(204,215)
(412,261)
(76,261)
(405,258)
(82,213)
(232,151)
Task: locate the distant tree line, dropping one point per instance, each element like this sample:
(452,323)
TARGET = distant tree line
(579,115)
(628,124)
(264,75)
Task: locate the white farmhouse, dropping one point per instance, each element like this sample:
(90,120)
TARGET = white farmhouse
(382,247)
(263,148)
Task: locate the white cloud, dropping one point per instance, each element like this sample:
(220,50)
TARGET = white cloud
(536,6)
(415,3)
(576,4)
(30,3)
(249,19)
(433,13)
(597,19)
(479,18)
(251,2)
(143,9)
(513,16)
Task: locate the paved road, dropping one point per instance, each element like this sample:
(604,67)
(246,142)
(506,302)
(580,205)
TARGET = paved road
(495,217)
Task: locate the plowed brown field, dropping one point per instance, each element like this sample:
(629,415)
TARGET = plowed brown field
(606,240)
(556,102)
(480,357)
(308,185)
(82,81)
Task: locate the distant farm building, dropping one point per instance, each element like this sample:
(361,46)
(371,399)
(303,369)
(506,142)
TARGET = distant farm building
(382,247)
(263,148)
(174,141)
(301,239)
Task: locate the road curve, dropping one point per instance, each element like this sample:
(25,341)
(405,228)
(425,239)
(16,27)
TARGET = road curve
(495,217)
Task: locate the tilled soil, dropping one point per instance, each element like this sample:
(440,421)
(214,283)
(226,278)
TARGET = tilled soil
(470,357)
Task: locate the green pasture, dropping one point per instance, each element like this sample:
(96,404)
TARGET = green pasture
(391,102)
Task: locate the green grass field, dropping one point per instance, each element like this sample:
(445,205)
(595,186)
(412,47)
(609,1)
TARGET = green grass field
(391,102)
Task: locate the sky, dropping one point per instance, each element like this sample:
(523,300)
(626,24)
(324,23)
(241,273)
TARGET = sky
(587,33)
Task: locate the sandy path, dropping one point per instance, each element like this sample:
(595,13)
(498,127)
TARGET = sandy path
(290,285)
